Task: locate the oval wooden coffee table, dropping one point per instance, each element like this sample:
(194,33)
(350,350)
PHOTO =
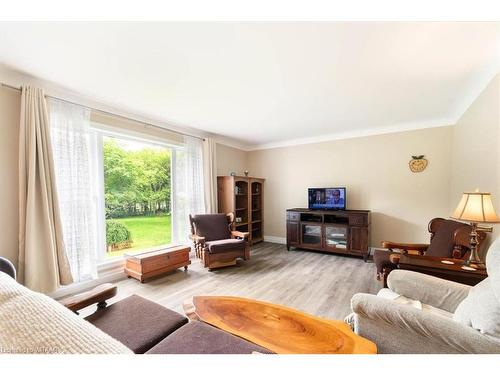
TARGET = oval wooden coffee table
(278,328)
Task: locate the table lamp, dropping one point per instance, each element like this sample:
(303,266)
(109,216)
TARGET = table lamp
(476,208)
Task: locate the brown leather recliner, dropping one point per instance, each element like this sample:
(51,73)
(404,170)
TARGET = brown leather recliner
(214,241)
(449,239)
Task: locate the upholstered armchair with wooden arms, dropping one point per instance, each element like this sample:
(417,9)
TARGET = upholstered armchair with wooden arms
(214,241)
(449,239)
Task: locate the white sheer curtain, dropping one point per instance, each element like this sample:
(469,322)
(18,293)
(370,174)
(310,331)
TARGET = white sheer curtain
(210,174)
(188,186)
(70,135)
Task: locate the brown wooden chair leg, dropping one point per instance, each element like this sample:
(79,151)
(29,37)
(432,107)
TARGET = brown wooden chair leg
(385,274)
(205,258)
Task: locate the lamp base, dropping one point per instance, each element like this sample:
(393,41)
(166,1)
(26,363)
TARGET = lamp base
(474,261)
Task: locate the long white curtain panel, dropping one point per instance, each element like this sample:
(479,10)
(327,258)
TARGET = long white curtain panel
(70,134)
(188,183)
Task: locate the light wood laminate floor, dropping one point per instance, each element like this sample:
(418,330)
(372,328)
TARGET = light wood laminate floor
(317,283)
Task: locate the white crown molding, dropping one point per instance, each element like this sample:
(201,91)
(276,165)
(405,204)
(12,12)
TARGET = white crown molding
(357,134)
(231,142)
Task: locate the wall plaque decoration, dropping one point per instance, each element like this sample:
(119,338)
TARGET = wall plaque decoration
(418,163)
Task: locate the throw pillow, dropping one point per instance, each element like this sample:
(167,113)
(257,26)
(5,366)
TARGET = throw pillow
(480,310)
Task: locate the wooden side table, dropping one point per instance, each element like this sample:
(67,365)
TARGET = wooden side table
(434,266)
(157,262)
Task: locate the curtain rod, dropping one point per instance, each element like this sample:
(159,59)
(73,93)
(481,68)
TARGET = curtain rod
(108,113)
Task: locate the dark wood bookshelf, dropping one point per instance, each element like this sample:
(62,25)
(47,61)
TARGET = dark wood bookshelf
(243,196)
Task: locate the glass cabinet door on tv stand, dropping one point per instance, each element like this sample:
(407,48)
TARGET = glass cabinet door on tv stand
(336,237)
(311,234)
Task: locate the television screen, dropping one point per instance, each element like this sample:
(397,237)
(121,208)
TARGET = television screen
(327,198)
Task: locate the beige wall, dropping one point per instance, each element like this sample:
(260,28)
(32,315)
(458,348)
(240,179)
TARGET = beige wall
(475,158)
(230,159)
(10,105)
(375,171)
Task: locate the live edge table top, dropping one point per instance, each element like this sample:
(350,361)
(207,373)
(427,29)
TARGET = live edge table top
(278,328)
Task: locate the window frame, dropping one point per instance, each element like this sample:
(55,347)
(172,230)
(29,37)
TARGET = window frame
(98,132)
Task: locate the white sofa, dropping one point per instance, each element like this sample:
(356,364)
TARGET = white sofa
(424,314)
(32,323)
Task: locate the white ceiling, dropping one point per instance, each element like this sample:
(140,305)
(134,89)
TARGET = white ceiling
(267,83)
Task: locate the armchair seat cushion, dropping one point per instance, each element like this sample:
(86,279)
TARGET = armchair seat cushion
(201,338)
(137,322)
(222,246)
(382,260)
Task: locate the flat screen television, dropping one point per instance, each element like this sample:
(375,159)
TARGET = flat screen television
(327,198)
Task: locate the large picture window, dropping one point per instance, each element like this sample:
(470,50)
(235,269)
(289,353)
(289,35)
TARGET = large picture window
(136,194)
(122,189)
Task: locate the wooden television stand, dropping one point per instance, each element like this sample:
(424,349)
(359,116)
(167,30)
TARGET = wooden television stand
(341,232)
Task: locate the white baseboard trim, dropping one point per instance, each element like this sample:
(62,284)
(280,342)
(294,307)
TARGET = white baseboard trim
(274,239)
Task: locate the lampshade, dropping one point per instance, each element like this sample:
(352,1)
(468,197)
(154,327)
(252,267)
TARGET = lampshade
(476,207)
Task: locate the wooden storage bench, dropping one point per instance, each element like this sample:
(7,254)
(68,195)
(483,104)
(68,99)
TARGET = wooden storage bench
(157,262)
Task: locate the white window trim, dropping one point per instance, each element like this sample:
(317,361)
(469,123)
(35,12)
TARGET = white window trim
(100,131)
(134,136)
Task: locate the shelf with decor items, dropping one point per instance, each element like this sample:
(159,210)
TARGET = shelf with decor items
(244,196)
(341,232)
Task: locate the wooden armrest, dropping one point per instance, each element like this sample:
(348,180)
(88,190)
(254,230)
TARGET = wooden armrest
(197,238)
(404,246)
(97,295)
(237,233)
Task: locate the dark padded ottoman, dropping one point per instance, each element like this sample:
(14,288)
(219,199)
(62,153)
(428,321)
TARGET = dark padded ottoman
(137,323)
(201,338)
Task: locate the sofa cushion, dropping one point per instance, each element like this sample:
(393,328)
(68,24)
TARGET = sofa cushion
(442,242)
(201,338)
(34,323)
(493,267)
(212,226)
(137,322)
(222,246)
(480,309)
